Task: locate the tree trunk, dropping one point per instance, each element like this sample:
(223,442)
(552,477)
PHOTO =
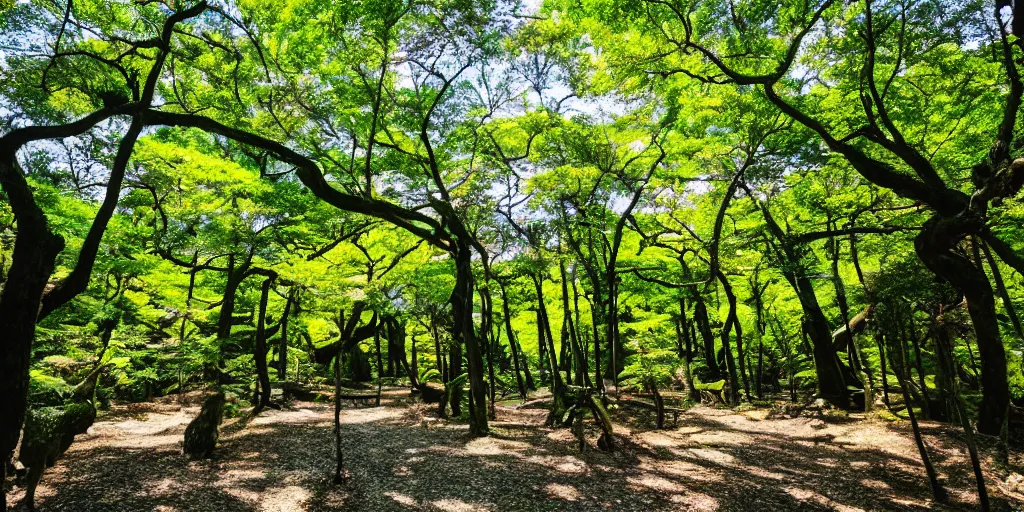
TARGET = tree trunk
(937,491)
(547,339)
(944,350)
(282,351)
(918,363)
(260,352)
(833,377)
(881,356)
(436,333)
(731,297)
(581,345)
(727,328)
(214,369)
(390,372)
(35,252)
(935,245)
(997,278)
(487,333)
(578,363)
(380,364)
(700,315)
(513,346)
(683,340)
(339,467)
(462,311)
(856,361)
(527,374)
(595,321)
(454,365)
(541,336)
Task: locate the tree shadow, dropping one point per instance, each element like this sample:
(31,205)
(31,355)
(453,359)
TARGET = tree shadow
(402,459)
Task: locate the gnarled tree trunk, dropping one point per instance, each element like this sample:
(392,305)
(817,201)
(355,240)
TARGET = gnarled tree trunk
(936,246)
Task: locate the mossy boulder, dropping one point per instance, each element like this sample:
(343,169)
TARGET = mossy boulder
(49,432)
(202,433)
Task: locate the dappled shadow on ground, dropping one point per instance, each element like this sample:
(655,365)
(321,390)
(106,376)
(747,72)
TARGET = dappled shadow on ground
(399,458)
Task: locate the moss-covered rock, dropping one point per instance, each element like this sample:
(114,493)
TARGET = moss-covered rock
(202,433)
(49,432)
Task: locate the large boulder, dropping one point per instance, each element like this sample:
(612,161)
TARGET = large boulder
(49,432)
(202,433)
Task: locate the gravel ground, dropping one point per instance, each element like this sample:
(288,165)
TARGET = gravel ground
(400,457)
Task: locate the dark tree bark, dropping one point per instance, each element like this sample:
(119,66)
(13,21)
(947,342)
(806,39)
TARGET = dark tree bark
(513,346)
(542,345)
(392,357)
(380,364)
(997,278)
(339,455)
(833,377)
(546,338)
(937,490)
(595,322)
(700,316)
(757,291)
(462,309)
(581,345)
(435,332)
(36,247)
(35,252)
(918,363)
(856,361)
(486,333)
(944,349)
(570,336)
(260,353)
(527,374)
(282,353)
(685,349)
(880,342)
(735,321)
(935,246)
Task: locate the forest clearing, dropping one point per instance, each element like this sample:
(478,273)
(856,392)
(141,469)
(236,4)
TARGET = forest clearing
(400,457)
(486,255)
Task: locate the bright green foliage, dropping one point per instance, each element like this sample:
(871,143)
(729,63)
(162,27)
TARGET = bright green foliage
(349,150)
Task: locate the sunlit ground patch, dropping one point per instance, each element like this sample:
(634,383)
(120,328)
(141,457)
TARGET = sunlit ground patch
(161,487)
(696,502)
(565,464)
(809,496)
(295,416)
(655,438)
(285,499)
(681,469)
(153,423)
(492,446)
(234,477)
(766,474)
(168,441)
(657,483)
(874,484)
(563,492)
(713,455)
(402,499)
(721,438)
(562,435)
(455,505)
(356,416)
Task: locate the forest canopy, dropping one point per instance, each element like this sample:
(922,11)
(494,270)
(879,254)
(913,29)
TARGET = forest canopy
(738,200)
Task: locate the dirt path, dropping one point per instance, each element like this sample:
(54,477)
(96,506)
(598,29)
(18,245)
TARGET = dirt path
(401,459)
